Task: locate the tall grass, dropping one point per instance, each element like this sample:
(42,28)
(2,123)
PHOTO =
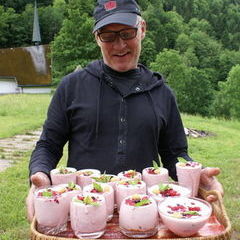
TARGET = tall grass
(220,149)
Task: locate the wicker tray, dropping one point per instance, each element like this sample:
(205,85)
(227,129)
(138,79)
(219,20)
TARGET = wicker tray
(217,228)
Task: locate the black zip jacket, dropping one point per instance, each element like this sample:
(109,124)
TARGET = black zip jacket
(110,130)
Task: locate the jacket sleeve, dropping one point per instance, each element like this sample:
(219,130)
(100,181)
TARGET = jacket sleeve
(49,148)
(172,139)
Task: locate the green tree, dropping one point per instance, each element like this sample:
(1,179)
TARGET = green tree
(149,52)
(198,93)
(152,17)
(227,101)
(143,4)
(201,51)
(233,89)
(19,5)
(202,25)
(231,34)
(16,28)
(172,26)
(164,26)
(227,59)
(51,19)
(191,85)
(25,25)
(75,44)
(8,17)
(171,64)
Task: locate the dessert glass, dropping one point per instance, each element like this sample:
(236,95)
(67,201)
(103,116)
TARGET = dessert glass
(189,175)
(138,216)
(51,210)
(84,176)
(152,176)
(125,188)
(88,216)
(63,175)
(105,190)
(164,190)
(184,216)
(130,174)
(70,190)
(109,179)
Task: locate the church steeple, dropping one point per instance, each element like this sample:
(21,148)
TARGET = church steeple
(36,37)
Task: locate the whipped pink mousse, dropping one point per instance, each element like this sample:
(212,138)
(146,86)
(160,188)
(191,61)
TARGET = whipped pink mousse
(125,188)
(130,174)
(51,210)
(138,216)
(88,216)
(105,190)
(63,175)
(70,190)
(152,176)
(110,179)
(189,175)
(184,216)
(161,191)
(84,176)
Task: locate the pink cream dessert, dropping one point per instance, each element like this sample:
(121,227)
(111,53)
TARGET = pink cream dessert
(125,188)
(70,190)
(152,176)
(105,190)
(130,174)
(107,178)
(138,216)
(88,216)
(188,174)
(63,175)
(184,216)
(110,179)
(84,176)
(51,210)
(161,191)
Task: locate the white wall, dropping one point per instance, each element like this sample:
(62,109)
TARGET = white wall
(38,90)
(8,86)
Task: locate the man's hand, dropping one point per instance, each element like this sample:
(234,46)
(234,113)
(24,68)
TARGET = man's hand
(209,182)
(38,179)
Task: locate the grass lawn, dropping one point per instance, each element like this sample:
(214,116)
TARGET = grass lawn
(19,113)
(221,149)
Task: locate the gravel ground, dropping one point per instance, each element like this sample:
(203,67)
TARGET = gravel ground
(13,148)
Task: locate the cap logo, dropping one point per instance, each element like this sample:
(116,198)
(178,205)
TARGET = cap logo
(110,5)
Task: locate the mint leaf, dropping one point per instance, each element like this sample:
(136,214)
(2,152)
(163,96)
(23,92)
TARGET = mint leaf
(47,194)
(62,170)
(163,188)
(194,213)
(71,185)
(89,201)
(77,200)
(142,202)
(181,159)
(97,187)
(133,182)
(103,178)
(155,165)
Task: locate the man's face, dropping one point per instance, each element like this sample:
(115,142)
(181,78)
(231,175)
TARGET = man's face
(122,55)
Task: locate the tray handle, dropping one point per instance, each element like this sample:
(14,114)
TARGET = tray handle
(218,208)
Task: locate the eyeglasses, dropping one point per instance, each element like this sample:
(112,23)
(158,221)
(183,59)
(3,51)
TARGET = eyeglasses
(124,34)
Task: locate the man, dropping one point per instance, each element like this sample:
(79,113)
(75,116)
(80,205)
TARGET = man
(115,113)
